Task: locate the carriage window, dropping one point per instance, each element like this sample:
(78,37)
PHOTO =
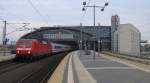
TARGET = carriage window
(44,42)
(58,47)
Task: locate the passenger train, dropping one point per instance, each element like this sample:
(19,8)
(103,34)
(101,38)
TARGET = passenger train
(33,48)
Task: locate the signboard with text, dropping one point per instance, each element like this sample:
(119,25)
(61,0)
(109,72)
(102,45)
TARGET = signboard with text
(58,36)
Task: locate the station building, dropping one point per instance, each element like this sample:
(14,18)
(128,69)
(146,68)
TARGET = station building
(125,38)
(85,37)
(120,38)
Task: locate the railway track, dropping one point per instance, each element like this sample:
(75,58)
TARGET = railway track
(9,66)
(44,72)
(41,79)
(35,72)
(5,62)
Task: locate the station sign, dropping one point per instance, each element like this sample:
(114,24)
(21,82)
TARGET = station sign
(58,36)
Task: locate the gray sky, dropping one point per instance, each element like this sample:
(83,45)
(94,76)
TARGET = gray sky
(68,12)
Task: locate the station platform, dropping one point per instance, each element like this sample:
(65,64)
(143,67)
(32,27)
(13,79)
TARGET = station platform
(79,67)
(6,57)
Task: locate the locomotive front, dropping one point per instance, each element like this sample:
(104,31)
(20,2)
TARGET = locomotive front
(24,48)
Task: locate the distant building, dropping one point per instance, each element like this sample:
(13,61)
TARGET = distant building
(13,42)
(127,39)
(115,21)
(145,48)
(71,35)
(120,38)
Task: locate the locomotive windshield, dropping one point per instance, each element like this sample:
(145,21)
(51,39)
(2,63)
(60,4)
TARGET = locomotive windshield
(24,43)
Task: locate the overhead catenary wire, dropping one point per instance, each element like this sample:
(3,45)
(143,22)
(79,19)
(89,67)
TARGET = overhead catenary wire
(33,6)
(42,6)
(11,31)
(16,29)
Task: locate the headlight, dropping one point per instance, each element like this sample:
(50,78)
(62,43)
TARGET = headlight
(18,52)
(29,52)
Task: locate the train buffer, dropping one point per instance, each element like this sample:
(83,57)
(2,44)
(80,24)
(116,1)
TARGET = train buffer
(78,67)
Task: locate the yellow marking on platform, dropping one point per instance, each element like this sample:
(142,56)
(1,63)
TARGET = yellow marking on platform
(83,75)
(5,58)
(57,76)
(70,71)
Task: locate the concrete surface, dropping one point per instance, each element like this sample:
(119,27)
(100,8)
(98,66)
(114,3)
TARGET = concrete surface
(105,70)
(7,57)
(81,68)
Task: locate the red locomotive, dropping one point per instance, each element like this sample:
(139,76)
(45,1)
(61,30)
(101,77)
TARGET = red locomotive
(31,48)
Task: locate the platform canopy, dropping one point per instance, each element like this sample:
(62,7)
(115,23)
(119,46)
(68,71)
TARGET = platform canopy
(74,35)
(57,34)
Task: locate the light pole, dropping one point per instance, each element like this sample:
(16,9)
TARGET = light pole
(80,46)
(4,33)
(99,46)
(94,7)
(81,40)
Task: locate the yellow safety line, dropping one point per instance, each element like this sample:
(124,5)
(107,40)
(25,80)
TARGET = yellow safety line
(57,76)
(70,71)
(82,73)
